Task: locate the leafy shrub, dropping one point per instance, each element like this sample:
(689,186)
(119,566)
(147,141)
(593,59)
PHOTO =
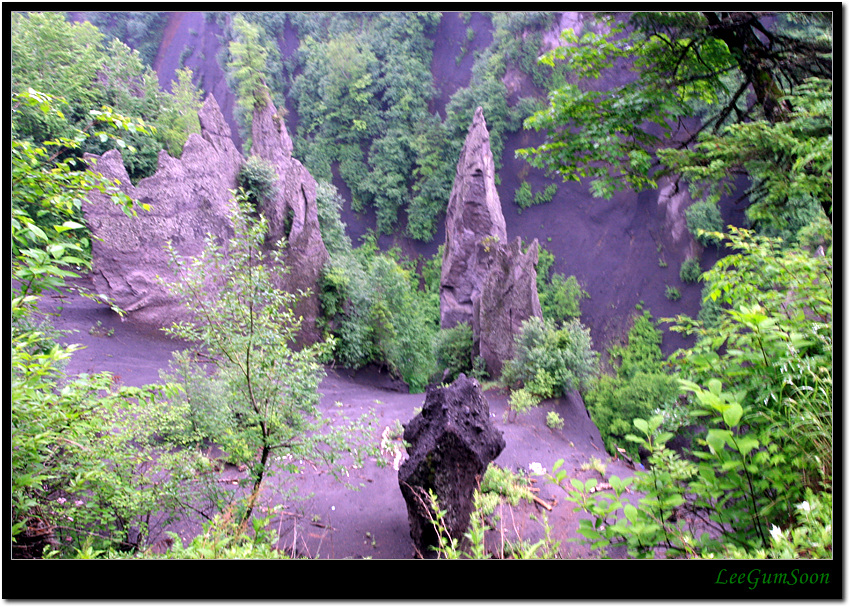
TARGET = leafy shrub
(710,311)
(520,401)
(672,293)
(638,387)
(247,325)
(453,350)
(703,217)
(614,402)
(554,421)
(523,196)
(550,361)
(373,305)
(508,484)
(259,179)
(690,270)
(560,296)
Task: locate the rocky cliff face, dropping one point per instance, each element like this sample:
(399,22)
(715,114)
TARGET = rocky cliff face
(292,214)
(189,198)
(486,281)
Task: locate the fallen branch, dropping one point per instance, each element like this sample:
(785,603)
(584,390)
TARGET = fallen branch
(542,503)
(601,487)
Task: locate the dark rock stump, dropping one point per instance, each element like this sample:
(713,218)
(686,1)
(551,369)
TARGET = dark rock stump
(451,443)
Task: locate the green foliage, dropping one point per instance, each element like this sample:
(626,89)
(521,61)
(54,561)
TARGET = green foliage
(643,352)
(364,90)
(247,69)
(549,361)
(523,197)
(554,421)
(48,234)
(810,538)
(772,344)
(258,178)
(373,305)
(560,296)
(695,64)
(639,386)
(652,527)
(704,221)
(521,401)
(90,458)
(789,161)
(226,536)
(453,351)
(472,545)
(652,524)
(672,293)
(179,117)
(75,61)
(690,270)
(507,484)
(141,30)
(247,328)
(613,401)
(93,460)
(761,380)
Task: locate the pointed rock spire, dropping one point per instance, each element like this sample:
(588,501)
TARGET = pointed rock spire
(474,224)
(486,281)
(292,214)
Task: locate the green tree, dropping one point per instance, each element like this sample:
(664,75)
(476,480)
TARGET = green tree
(76,62)
(179,117)
(55,57)
(686,65)
(639,386)
(247,328)
(560,296)
(84,459)
(246,68)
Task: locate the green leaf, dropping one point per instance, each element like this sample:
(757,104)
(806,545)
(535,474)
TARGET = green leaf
(641,425)
(717,439)
(732,415)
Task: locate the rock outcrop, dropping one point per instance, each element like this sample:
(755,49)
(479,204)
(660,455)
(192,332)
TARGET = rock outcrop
(189,197)
(292,214)
(486,281)
(474,225)
(508,298)
(451,442)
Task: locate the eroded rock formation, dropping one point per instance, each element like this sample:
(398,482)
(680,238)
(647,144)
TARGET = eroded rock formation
(190,197)
(451,442)
(508,298)
(486,281)
(292,214)
(474,226)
